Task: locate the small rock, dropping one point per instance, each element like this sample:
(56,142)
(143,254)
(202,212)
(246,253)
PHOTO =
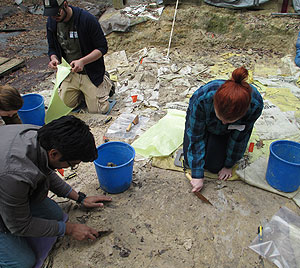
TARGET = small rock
(125,252)
(174,68)
(160,252)
(108,252)
(188,244)
(250,51)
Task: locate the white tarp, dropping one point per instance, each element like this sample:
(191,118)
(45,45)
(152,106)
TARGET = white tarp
(235,3)
(274,124)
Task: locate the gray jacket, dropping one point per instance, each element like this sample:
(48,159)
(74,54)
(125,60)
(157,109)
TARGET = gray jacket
(25,177)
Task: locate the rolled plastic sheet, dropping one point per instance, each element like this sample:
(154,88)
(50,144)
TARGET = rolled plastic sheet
(57,108)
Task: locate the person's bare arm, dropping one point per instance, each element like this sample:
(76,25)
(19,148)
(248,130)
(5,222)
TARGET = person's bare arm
(78,65)
(90,201)
(197,184)
(225,173)
(53,62)
(80,231)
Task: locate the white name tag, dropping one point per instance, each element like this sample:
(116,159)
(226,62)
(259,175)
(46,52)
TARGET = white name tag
(236,127)
(73,35)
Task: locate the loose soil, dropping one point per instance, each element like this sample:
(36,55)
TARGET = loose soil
(158,222)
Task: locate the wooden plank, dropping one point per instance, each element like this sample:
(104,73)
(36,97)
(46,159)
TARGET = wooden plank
(13,30)
(10,65)
(3,60)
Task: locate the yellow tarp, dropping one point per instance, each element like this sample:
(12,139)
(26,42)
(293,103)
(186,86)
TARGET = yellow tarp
(57,108)
(164,137)
(167,162)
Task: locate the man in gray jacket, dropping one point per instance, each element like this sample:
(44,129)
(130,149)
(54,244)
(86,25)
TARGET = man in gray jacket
(28,158)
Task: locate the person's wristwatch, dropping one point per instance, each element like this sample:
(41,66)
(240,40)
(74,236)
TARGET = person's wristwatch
(81,197)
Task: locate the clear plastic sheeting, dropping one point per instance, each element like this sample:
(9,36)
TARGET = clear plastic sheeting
(280,240)
(118,129)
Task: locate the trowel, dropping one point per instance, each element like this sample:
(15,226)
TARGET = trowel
(179,162)
(135,121)
(198,194)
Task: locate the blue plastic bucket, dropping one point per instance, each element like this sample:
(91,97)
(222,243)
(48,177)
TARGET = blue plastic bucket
(33,109)
(117,178)
(283,171)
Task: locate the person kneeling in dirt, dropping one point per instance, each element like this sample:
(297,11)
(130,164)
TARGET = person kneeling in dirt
(76,35)
(219,122)
(28,159)
(10,102)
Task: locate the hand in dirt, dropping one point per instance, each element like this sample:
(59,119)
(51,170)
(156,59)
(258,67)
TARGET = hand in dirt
(225,173)
(95,201)
(81,231)
(197,184)
(53,63)
(77,66)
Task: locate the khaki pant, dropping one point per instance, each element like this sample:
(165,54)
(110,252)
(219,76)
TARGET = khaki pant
(77,86)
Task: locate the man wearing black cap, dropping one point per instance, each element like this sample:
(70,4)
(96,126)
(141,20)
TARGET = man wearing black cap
(76,35)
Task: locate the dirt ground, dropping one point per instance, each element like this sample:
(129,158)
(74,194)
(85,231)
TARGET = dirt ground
(158,222)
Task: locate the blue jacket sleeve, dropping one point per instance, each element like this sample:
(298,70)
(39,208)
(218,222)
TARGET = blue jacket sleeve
(297,58)
(237,145)
(195,133)
(238,140)
(94,30)
(52,49)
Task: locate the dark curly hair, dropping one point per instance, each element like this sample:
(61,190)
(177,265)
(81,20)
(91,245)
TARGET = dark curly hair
(71,137)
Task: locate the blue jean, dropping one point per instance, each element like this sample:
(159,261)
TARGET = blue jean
(14,250)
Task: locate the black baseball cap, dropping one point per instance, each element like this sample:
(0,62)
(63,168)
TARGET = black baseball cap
(51,7)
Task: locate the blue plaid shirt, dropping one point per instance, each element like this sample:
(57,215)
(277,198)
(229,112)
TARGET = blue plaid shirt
(201,118)
(297,58)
